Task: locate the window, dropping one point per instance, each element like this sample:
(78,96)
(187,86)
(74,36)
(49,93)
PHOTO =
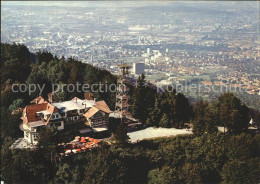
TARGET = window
(57,116)
(35,137)
(58,124)
(26,134)
(76,117)
(81,111)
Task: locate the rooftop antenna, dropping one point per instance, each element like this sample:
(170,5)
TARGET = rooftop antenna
(84,103)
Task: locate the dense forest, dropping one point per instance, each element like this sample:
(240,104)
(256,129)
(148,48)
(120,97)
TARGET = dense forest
(207,156)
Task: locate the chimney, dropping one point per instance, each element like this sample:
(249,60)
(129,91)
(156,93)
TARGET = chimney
(88,96)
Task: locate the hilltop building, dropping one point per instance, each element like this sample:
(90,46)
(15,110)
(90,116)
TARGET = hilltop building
(87,114)
(37,115)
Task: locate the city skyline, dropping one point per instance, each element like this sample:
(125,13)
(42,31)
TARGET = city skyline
(202,43)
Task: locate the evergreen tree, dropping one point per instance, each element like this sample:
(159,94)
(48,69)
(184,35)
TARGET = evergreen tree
(43,56)
(206,118)
(16,104)
(241,171)
(166,175)
(168,104)
(10,124)
(38,76)
(121,134)
(183,110)
(56,71)
(48,141)
(155,114)
(164,122)
(198,127)
(211,117)
(232,114)
(138,98)
(142,99)
(199,124)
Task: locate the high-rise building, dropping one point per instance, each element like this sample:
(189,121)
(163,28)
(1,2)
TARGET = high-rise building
(91,58)
(148,50)
(138,68)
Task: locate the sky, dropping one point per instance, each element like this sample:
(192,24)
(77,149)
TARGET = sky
(78,3)
(119,3)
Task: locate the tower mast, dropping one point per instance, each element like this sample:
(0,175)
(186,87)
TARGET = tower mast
(122,96)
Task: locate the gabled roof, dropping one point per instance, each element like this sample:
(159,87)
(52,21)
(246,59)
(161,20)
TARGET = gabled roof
(31,112)
(37,100)
(52,94)
(91,112)
(99,106)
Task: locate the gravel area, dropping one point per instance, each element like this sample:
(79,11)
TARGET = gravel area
(156,132)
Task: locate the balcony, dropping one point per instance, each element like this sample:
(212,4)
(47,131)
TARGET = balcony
(24,128)
(68,121)
(69,114)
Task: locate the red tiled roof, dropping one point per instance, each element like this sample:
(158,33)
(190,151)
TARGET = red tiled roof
(91,112)
(38,100)
(50,94)
(101,105)
(88,96)
(51,108)
(31,112)
(32,109)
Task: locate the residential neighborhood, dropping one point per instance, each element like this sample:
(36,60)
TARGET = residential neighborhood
(127,92)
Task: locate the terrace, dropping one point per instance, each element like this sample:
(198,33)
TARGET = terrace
(22,143)
(78,145)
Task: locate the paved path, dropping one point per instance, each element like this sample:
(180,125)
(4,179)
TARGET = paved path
(155,132)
